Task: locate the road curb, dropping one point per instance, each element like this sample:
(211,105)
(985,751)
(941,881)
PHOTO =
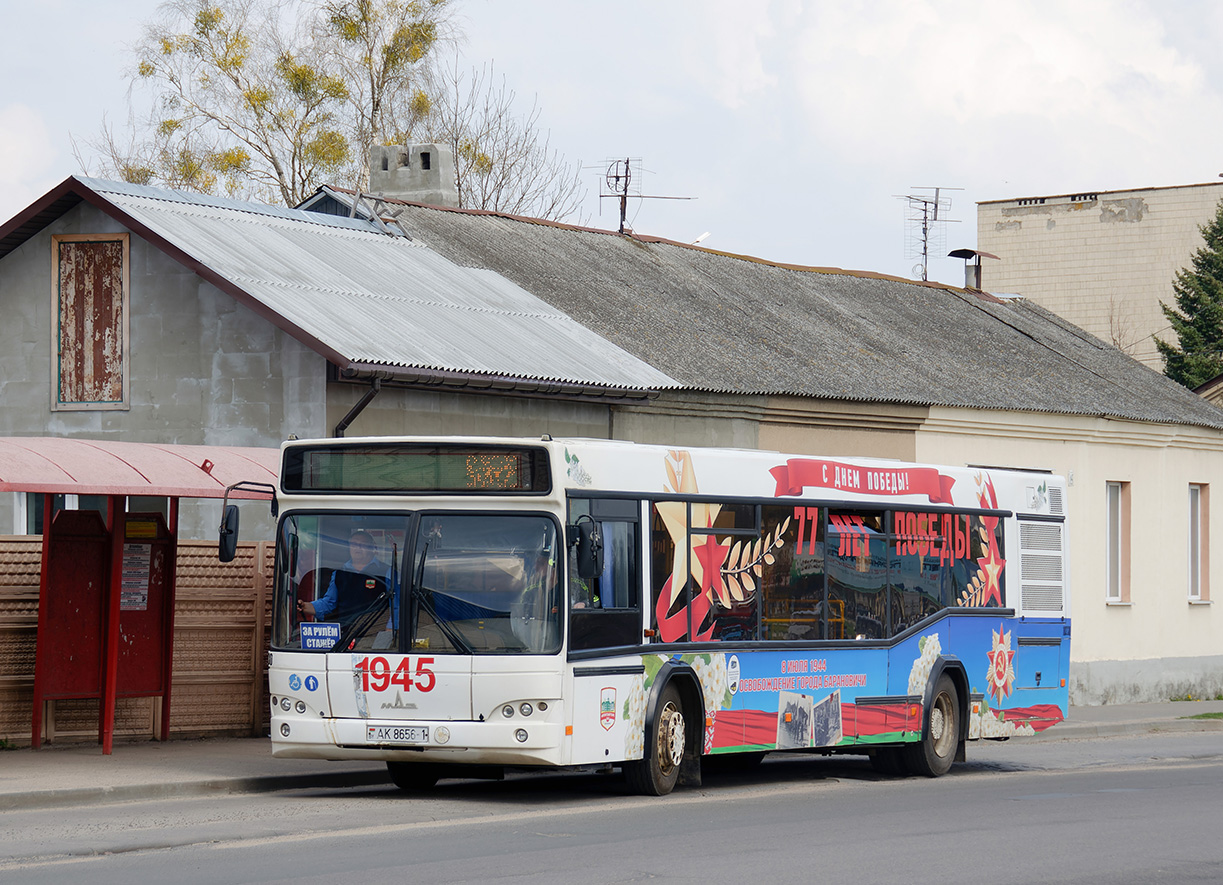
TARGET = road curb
(1069,732)
(177,789)
(35,799)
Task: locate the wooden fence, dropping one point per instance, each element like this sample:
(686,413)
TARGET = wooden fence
(219,683)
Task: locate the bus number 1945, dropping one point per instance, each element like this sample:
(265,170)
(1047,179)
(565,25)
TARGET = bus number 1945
(376,674)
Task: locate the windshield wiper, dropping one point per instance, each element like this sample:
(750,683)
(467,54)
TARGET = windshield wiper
(418,594)
(363,619)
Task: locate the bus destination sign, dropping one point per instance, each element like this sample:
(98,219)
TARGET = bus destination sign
(404,468)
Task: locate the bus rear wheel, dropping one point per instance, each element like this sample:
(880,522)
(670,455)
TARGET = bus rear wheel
(666,743)
(933,755)
(414,777)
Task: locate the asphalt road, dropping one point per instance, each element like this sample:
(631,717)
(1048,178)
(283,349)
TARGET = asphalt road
(1115,810)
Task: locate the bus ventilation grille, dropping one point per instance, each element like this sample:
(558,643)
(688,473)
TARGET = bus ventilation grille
(1057,503)
(1041,578)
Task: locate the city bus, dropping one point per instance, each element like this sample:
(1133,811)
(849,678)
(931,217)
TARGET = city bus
(459,606)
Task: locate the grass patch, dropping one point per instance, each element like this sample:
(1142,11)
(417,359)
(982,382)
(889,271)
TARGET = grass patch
(1189,697)
(1205,716)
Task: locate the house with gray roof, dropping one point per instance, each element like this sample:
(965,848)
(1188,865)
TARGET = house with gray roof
(151,315)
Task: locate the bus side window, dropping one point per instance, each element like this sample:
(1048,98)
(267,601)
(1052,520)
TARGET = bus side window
(605,610)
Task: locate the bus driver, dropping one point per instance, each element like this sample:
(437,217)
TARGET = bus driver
(353,586)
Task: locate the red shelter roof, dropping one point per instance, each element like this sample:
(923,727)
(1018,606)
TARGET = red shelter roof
(56,465)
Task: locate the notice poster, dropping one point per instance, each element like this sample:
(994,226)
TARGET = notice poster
(134,583)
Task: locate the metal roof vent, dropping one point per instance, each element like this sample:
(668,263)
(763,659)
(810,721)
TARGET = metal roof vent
(972,272)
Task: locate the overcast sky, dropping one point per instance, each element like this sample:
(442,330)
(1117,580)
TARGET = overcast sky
(795,124)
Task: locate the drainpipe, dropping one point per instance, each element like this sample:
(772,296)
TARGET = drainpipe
(375,387)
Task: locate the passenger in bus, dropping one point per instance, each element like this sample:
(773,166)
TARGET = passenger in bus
(582,592)
(353,587)
(583,595)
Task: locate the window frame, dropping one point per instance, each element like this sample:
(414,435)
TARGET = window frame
(1117,543)
(593,629)
(57,342)
(1199,543)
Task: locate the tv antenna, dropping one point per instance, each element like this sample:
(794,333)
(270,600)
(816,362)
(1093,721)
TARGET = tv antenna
(925,225)
(620,185)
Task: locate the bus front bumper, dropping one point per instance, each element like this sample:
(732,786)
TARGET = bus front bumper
(519,742)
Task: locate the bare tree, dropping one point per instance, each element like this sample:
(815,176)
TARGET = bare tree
(1121,332)
(502,160)
(381,50)
(270,99)
(241,103)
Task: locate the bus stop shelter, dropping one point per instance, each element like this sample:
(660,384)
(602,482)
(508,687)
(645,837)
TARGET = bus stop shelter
(107,586)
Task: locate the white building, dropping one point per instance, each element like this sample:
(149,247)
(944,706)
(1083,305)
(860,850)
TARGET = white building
(1103,260)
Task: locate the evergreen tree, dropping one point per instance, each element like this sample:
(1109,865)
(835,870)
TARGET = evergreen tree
(1197,318)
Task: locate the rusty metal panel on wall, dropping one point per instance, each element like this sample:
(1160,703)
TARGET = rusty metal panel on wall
(91,320)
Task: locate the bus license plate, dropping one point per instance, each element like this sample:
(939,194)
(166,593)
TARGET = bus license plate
(397,734)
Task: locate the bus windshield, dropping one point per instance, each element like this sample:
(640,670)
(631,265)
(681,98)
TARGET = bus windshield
(444,583)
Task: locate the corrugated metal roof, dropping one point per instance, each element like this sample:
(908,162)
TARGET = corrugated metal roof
(488,296)
(381,300)
(730,324)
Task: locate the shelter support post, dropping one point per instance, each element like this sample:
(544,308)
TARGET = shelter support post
(43,601)
(117,520)
(168,636)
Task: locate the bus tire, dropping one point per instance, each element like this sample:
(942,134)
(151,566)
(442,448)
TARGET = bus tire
(666,743)
(414,777)
(933,754)
(890,761)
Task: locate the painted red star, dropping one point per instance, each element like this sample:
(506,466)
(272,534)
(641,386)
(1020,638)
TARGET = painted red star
(991,568)
(1001,665)
(711,556)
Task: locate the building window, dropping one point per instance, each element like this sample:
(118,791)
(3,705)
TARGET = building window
(1117,520)
(1199,544)
(90,322)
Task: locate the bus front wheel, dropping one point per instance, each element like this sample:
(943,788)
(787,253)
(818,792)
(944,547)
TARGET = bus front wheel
(933,755)
(666,743)
(415,777)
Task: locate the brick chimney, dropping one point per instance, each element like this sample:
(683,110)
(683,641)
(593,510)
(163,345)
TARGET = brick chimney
(418,173)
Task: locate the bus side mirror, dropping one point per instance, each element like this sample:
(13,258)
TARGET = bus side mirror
(590,548)
(227,548)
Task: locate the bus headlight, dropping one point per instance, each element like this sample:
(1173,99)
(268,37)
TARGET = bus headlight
(286,704)
(521,735)
(441,734)
(526,709)
(300,706)
(508,711)
(284,729)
